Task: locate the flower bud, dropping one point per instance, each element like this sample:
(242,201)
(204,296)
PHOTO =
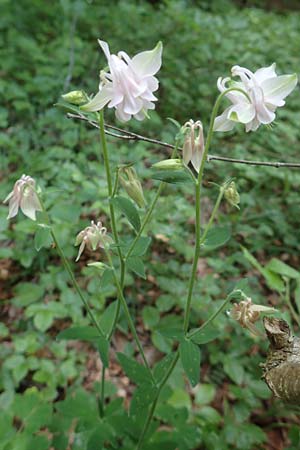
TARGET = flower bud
(75,97)
(232,196)
(247,313)
(132,186)
(193,145)
(168,164)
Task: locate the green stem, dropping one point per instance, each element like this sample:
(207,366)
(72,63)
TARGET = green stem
(102,398)
(215,314)
(150,210)
(153,406)
(213,214)
(109,185)
(195,260)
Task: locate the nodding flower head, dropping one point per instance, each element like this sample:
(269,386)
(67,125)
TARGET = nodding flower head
(246,313)
(193,146)
(92,237)
(23,196)
(128,84)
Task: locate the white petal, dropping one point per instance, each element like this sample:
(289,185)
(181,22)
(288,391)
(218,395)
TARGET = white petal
(132,105)
(8,197)
(222,123)
(152,83)
(253,125)
(242,112)
(99,101)
(13,207)
(265,72)
(117,98)
(121,115)
(264,115)
(105,48)
(81,248)
(277,88)
(149,62)
(28,207)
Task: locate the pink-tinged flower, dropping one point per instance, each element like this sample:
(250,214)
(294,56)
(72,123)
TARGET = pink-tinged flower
(193,146)
(266,92)
(129,84)
(247,313)
(23,196)
(92,237)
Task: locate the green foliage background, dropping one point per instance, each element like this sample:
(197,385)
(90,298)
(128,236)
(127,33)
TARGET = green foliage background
(49,48)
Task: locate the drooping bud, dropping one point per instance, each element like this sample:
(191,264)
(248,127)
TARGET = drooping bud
(23,196)
(132,185)
(93,237)
(232,196)
(193,145)
(75,97)
(168,164)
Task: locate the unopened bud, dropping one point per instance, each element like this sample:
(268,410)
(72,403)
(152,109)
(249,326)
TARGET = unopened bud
(75,97)
(193,144)
(168,164)
(132,186)
(232,196)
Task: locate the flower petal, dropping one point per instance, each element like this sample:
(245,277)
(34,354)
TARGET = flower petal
(265,72)
(121,115)
(242,112)
(149,62)
(222,123)
(277,88)
(28,206)
(99,101)
(13,207)
(105,48)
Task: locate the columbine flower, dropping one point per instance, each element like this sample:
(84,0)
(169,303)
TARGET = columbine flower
(247,313)
(23,196)
(193,145)
(266,92)
(129,85)
(93,237)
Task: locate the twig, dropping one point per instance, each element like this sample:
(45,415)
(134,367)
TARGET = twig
(130,136)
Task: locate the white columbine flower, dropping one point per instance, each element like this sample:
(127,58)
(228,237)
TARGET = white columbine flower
(266,92)
(23,196)
(93,237)
(129,84)
(193,145)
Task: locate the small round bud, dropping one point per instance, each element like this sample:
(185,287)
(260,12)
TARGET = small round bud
(132,186)
(75,97)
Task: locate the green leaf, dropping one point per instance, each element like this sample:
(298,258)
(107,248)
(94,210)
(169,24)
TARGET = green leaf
(273,280)
(235,370)
(216,237)
(172,176)
(82,333)
(42,238)
(206,335)
(190,359)
(43,320)
(135,263)
(103,348)
(108,316)
(142,398)
(163,366)
(135,371)
(150,316)
(140,247)
(171,333)
(277,266)
(204,394)
(127,207)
